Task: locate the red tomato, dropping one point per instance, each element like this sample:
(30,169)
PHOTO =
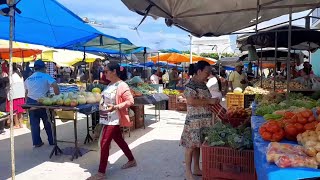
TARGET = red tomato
(291,130)
(310,126)
(311,118)
(278,136)
(299,127)
(288,115)
(294,118)
(302,120)
(305,114)
(266,136)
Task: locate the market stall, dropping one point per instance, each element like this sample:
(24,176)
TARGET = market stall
(86,109)
(285,136)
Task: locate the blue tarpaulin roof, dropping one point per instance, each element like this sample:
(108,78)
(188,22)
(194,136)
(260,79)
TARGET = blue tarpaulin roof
(47,22)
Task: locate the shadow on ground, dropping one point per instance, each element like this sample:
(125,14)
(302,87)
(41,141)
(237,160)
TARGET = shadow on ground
(157,159)
(27,157)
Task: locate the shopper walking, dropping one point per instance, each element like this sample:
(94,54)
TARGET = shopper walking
(37,86)
(18,96)
(199,115)
(116,99)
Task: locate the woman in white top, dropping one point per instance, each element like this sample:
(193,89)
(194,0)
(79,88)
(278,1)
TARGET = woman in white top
(214,85)
(18,96)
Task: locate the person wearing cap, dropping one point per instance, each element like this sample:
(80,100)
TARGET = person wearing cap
(37,86)
(237,78)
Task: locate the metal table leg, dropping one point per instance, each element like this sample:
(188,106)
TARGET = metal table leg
(76,152)
(88,137)
(56,150)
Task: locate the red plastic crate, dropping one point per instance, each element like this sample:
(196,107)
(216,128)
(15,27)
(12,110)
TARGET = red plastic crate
(181,106)
(227,163)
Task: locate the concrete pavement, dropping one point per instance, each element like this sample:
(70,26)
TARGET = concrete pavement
(155,148)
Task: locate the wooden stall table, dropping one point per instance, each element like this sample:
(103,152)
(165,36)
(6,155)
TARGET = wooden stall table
(86,109)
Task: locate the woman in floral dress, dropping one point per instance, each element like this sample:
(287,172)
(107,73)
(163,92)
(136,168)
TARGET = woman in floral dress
(199,115)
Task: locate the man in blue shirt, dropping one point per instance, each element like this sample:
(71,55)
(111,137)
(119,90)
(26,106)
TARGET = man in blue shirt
(37,86)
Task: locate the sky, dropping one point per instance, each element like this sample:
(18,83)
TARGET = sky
(117,20)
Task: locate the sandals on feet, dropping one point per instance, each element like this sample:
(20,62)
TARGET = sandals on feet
(129,164)
(98,176)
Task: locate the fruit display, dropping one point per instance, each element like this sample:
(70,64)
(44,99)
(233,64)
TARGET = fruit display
(71,99)
(95,87)
(225,135)
(142,89)
(255,90)
(269,84)
(3,114)
(171,92)
(287,155)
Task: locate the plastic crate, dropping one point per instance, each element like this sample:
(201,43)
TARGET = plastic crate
(235,100)
(227,163)
(248,99)
(172,104)
(181,106)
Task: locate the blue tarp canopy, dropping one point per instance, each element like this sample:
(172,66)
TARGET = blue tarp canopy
(101,41)
(131,65)
(48,23)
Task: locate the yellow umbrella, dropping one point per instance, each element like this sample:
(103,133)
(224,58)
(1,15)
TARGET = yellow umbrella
(178,58)
(76,60)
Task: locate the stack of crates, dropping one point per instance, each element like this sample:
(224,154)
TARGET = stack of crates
(172,105)
(139,116)
(235,100)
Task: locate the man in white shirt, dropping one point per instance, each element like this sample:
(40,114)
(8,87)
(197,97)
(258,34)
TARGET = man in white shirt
(37,86)
(154,78)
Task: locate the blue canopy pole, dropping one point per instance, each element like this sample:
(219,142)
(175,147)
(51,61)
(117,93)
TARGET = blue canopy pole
(120,52)
(144,62)
(85,64)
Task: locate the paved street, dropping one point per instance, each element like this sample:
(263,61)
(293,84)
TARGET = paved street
(156,149)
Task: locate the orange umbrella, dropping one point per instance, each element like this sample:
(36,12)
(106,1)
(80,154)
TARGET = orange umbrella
(18,52)
(178,58)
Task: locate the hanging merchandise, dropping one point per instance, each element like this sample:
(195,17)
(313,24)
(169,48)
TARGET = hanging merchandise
(252,54)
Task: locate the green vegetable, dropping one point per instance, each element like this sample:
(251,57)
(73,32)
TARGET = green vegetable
(272,116)
(225,135)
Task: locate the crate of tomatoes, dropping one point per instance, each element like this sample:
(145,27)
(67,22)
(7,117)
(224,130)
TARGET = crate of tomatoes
(237,116)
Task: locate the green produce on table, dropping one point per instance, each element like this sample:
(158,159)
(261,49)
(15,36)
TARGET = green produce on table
(171,92)
(267,109)
(225,135)
(272,116)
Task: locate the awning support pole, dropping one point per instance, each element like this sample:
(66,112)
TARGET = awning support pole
(275,61)
(289,51)
(11,30)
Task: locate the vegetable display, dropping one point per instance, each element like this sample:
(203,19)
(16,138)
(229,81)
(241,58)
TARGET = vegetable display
(225,135)
(269,84)
(255,90)
(272,131)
